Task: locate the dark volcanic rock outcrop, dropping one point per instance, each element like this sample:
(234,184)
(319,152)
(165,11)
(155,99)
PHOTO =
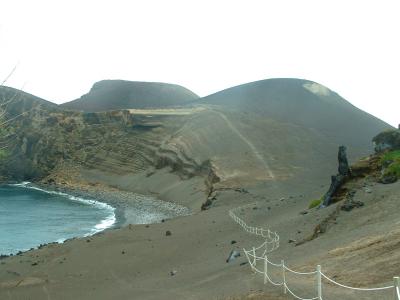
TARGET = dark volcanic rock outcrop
(387,140)
(119,94)
(337,180)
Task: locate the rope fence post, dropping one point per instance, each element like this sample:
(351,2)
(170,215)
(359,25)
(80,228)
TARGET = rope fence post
(248,259)
(283,276)
(396,281)
(254,255)
(265,269)
(319,282)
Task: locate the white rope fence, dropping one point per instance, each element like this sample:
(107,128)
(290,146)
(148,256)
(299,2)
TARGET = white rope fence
(271,243)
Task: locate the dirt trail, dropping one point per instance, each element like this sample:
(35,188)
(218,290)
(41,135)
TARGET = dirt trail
(248,143)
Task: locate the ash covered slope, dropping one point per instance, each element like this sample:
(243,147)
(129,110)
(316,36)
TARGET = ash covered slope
(274,130)
(119,94)
(304,103)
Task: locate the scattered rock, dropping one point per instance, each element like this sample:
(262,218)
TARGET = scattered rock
(173,272)
(147,226)
(87,241)
(387,179)
(349,205)
(368,190)
(233,242)
(168,233)
(282,199)
(123,252)
(291,241)
(234,254)
(13,273)
(244,263)
(206,205)
(304,212)
(34,264)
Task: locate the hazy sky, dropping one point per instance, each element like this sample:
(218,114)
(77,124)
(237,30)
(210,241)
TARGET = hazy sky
(63,47)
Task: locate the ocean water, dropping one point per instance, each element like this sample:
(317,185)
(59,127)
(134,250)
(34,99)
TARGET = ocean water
(30,216)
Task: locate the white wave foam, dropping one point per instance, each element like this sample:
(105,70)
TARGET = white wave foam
(104,224)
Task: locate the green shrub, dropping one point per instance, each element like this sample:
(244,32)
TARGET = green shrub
(391,156)
(315,203)
(392,161)
(393,169)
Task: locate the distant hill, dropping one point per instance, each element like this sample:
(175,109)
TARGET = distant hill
(301,102)
(15,101)
(119,94)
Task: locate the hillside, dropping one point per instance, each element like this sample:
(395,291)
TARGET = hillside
(304,103)
(273,134)
(14,101)
(119,94)
(270,144)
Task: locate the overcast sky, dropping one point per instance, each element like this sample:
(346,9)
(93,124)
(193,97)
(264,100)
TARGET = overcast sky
(63,47)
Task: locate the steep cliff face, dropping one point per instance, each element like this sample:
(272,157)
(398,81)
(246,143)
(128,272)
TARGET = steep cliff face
(116,142)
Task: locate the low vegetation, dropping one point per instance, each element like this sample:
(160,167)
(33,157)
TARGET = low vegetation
(315,203)
(391,163)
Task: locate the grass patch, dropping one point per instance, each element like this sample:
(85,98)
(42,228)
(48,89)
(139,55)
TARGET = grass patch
(391,156)
(315,203)
(393,169)
(392,161)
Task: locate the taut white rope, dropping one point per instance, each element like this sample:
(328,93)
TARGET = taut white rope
(355,288)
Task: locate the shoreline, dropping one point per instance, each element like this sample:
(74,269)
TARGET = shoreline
(124,203)
(127,204)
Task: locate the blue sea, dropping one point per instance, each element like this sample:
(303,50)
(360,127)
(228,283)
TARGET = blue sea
(30,216)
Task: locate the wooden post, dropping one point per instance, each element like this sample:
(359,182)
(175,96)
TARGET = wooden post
(265,269)
(319,282)
(248,259)
(396,281)
(283,276)
(254,254)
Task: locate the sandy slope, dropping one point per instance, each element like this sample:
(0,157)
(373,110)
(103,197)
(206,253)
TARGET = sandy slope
(135,262)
